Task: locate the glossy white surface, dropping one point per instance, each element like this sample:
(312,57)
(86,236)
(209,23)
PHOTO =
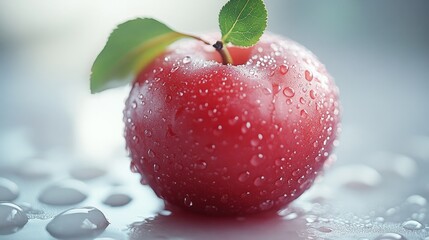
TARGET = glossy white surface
(52,129)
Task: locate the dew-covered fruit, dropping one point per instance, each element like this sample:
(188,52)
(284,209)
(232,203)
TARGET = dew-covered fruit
(232,139)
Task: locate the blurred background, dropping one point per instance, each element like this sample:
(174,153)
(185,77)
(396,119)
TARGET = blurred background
(377,51)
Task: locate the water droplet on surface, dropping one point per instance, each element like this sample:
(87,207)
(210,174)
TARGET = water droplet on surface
(390,236)
(324,229)
(412,225)
(417,200)
(64,193)
(244,176)
(86,222)
(84,173)
(186,60)
(283,69)
(12,218)
(392,163)
(9,191)
(117,200)
(308,75)
(357,176)
(287,213)
(289,92)
(28,209)
(304,113)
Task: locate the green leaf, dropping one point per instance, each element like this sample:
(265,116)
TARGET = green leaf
(242,22)
(131,46)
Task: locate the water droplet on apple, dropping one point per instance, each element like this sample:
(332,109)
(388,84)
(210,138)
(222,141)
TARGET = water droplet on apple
(136,139)
(147,133)
(133,167)
(12,218)
(117,200)
(390,236)
(246,127)
(210,148)
(296,172)
(267,91)
(151,153)
(224,198)
(304,113)
(289,92)
(266,205)
(254,142)
(259,181)
(174,69)
(186,60)
(312,94)
(233,121)
(280,182)
(187,201)
(283,69)
(201,164)
(244,176)
(203,92)
(86,222)
(156,167)
(308,75)
(68,192)
(257,160)
(134,105)
(9,191)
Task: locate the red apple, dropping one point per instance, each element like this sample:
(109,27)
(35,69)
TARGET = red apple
(232,139)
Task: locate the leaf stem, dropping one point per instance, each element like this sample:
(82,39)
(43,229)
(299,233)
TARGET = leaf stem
(223,51)
(197,38)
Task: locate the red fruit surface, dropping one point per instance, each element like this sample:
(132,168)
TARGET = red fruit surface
(232,140)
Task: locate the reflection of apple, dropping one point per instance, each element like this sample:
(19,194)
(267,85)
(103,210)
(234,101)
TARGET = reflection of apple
(223,139)
(182,225)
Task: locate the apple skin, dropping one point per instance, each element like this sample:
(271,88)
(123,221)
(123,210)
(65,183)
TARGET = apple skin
(232,139)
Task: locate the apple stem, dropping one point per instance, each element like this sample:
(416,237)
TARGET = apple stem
(223,51)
